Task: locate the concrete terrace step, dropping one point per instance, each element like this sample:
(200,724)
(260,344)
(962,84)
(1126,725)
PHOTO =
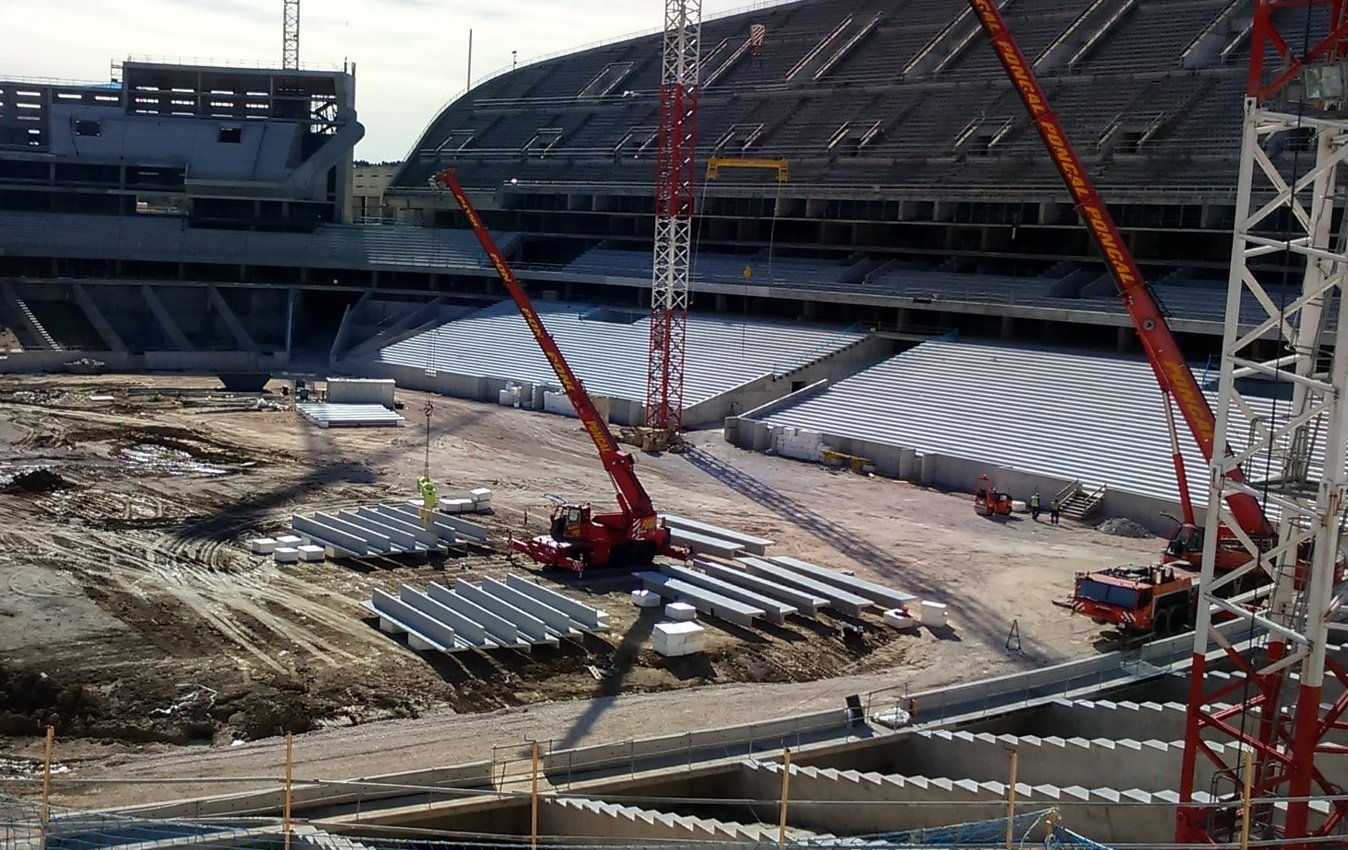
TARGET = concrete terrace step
(596,818)
(923,801)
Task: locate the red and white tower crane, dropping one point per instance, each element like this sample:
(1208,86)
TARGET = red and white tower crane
(1278,726)
(675,170)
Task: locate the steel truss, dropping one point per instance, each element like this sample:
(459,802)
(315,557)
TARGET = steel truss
(675,174)
(1270,712)
(290,35)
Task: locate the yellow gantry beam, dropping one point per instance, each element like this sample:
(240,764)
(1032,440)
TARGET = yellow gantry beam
(716,163)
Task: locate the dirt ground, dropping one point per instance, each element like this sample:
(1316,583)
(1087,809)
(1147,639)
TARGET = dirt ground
(134,620)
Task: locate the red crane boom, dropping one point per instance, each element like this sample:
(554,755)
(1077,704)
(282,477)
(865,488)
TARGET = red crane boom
(1176,379)
(634,535)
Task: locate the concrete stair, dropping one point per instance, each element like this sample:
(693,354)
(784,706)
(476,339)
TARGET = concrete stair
(28,319)
(317,839)
(595,818)
(941,801)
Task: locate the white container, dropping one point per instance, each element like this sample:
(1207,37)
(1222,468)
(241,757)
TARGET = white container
(933,614)
(288,540)
(263,546)
(899,618)
(646,599)
(680,612)
(312,553)
(677,639)
(480,495)
(286,555)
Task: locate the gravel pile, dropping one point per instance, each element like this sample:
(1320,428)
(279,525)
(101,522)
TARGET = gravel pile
(1121,527)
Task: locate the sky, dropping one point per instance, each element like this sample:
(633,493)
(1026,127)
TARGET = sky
(411,55)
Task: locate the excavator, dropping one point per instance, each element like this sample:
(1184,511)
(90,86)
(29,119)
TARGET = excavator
(579,538)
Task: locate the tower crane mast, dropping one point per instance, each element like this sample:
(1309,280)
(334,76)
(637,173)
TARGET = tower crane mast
(674,181)
(290,35)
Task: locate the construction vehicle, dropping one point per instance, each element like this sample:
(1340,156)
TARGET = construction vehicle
(1179,387)
(988,501)
(578,538)
(1157,600)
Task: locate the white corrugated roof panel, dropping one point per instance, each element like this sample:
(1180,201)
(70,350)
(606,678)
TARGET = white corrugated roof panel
(608,348)
(1099,418)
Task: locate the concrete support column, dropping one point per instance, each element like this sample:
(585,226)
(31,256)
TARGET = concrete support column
(1008,327)
(807,309)
(720,302)
(1123,339)
(568,290)
(901,318)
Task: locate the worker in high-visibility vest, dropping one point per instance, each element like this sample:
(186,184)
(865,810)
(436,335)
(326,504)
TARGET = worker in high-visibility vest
(428,499)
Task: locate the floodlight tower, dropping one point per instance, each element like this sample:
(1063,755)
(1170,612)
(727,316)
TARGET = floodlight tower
(1278,725)
(290,35)
(675,169)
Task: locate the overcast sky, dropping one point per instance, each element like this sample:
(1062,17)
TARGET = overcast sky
(411,55)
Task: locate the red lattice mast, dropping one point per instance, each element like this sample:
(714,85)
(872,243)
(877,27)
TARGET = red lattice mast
(674,182)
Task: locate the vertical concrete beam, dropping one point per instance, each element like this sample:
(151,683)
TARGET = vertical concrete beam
(161,315)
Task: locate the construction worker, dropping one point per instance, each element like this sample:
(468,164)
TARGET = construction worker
(1054,510)
(1034,506)
(428,499)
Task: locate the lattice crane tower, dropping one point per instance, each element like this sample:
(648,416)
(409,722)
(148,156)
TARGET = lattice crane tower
(675,169)
(1277,723)
(290,35)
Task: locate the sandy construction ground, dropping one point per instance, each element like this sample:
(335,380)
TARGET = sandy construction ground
(133,618)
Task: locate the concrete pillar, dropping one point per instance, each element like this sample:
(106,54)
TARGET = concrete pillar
(900,318)
(720,302)
(1008,327)
(1123,339)
(807,310)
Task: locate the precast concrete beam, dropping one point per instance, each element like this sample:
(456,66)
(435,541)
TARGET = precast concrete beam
(165,318)
(865,589)
(707,601)
(96,318)
(498,628)
(842,600)
(703,544)
(559,622)
(804,601)
(373,539)
(337,539)
(534,629)
(590,619)
(467,631)
(236,328)
(439,521)
(753,545)
(774,611)
(394,612)
(424,536)
(397,537)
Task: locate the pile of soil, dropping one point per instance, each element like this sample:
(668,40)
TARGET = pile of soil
(40,480)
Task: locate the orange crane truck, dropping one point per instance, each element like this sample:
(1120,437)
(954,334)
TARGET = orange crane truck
(1159,600)
(578,537)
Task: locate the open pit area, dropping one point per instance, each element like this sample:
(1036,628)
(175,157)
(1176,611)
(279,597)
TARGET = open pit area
(135,621)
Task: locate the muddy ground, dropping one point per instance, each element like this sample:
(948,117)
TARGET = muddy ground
(134,620)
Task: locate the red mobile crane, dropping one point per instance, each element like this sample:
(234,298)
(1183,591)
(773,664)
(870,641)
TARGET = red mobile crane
(578,538)
(1176,379)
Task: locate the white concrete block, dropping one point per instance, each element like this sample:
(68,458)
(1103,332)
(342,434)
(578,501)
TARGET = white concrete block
(262,546)
(288,540)
(678,639)
(646,599)
(680,612)
(312,553)
(286,554)
(933,614)
(457,506)
(480,494)
(899,618)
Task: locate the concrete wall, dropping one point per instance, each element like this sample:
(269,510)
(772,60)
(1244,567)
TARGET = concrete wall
(205,362)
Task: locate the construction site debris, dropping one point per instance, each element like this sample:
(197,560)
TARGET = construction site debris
(349,415)
(1123,527)
(893,718)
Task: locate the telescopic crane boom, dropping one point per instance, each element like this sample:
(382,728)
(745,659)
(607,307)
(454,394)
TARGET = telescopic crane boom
(578,538)
(1173,374)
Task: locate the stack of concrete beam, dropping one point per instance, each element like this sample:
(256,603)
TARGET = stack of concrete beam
(515,613)
(747,542)
(475,501)
(349,415)
(705,600)
(380,530)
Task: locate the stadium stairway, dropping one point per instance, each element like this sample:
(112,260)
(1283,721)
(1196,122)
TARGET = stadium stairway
(25,322)
(596,818)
